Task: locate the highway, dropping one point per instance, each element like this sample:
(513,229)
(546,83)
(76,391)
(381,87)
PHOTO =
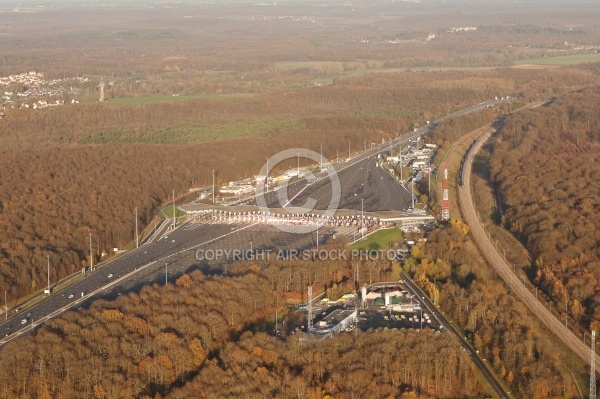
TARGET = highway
(504,269)
(479,362)
(379,193)
(175,253)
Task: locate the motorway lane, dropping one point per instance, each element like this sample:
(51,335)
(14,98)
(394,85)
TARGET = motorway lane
(399,193)
(146,264)
(364,180)
(504,269)
(442,320)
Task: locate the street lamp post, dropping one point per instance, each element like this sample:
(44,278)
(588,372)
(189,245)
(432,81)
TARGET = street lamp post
(48,274)
(174,211)
(213,186)
(166,274)
(137,241)
(5,306)
(321,162)
(91,257)
(362,217)
(401,166)
(317,235)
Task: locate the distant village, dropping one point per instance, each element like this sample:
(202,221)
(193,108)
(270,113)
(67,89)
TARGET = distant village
(34,91)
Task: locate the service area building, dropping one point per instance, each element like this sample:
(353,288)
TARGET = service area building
(335,322)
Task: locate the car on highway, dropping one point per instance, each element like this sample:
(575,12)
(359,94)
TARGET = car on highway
(23,321)
(71,296)
(110,275)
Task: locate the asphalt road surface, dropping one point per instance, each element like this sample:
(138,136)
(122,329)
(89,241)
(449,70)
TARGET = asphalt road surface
(176,252)
(479,362)
(180,251)
(362,181)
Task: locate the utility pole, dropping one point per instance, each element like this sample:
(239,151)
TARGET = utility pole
(174,212)
(298,168)
(5,306)
(48,274)
(362,217)
(401,166)
(267,179)
(213,191)
(309,322)
(137,240)
(166,274)
(593,367)
(429,183)
(348,149)
(91,257)
(412,193)
(321,162)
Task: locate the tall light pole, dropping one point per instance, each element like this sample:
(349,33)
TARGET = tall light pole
(348,149)
(137,240)
(362,217)
(429,183)
(48,274)
(298,169)
(267,174)
(5,306)
(91,257)
(213,185)
(321,162)
(401,166)
(174,214)
(166,274)
(276,312)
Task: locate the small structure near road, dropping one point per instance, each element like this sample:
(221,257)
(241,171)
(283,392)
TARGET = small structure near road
(335,322)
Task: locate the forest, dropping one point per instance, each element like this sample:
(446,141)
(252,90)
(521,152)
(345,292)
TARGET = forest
(266,77)
(210,337)
(520,350)
(546,165)
(71,171)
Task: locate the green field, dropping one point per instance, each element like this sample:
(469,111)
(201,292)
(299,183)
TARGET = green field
(561,60)
(156,99)
(379,240)
(167,211)
(192,134)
